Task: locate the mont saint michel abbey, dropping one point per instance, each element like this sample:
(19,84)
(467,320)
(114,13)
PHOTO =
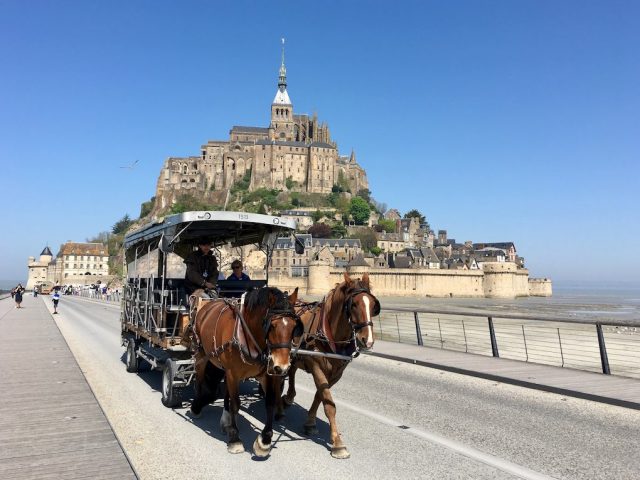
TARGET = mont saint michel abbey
(295,152)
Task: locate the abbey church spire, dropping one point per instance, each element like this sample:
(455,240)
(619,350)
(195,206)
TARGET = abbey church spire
(282,125)
(282,97)
(282,79)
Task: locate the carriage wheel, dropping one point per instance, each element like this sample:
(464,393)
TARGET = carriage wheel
(131,358)
(170,395)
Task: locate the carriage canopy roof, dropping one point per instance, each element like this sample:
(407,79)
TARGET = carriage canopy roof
(236,228)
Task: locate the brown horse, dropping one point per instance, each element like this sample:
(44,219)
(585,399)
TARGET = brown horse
(340,325)
(253,343)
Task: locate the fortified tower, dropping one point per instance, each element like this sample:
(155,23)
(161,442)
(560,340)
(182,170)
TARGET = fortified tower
(38,271)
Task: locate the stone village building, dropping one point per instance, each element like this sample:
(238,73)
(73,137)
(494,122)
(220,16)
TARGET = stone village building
(338,252)
(295,149)
(76,263)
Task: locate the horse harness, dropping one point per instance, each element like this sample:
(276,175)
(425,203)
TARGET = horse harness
(323,331)
(241,329)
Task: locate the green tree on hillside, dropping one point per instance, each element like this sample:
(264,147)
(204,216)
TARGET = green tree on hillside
(415,213)
(388,226)
(368,239)
(122,225)
(421,218)
(320,230)
(187,203)
(360,210)
(365,193)
(338,230)
(146,207)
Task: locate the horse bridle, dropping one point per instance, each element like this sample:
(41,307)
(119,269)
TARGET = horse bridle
(271,314)
(349,303)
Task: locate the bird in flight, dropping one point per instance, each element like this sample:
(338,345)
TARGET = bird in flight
(130,167)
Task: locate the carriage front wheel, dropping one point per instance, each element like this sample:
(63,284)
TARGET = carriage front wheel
(170,394)
(131,358)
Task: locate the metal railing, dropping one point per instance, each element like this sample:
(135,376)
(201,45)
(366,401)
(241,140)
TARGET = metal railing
(114,296)
(611,347)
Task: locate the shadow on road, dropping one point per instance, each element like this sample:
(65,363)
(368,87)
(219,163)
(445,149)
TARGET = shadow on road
(251,403)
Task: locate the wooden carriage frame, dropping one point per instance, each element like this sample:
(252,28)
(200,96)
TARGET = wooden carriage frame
(154,311)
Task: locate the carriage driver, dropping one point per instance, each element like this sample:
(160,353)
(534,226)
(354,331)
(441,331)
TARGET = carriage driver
(202,271)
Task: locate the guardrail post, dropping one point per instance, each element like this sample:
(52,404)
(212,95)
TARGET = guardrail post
(494,342)
(418,330)
(604,359)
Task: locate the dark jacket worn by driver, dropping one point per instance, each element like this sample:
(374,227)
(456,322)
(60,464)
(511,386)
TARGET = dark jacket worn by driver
(201,268)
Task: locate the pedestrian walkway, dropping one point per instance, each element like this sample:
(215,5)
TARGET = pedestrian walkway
(621,391)
(51,425)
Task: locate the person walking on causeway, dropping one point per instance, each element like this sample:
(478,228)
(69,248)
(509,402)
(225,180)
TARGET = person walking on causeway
(17,296)
(56,298)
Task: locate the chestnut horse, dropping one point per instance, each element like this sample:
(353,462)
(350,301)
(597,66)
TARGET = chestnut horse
(340,324)
(253,343)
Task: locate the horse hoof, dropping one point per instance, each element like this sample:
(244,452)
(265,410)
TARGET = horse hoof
(340,452)
(193,414)
(310,430)
(235,447)
(260,449)
(287,401)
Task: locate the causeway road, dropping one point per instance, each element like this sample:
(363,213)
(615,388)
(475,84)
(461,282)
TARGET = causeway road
(398,420)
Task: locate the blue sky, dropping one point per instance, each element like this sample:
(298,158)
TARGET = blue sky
(499,120)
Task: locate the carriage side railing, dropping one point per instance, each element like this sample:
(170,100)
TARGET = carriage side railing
(610,347)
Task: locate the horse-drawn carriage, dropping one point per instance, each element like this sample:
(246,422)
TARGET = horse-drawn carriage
(265,335)
(155,308)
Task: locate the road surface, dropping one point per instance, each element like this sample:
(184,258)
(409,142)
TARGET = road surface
(398,421)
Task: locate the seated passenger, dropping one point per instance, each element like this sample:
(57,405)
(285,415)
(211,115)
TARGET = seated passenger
(237,273)
(202,271)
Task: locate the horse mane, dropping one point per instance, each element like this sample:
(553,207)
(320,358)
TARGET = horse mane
(259,298)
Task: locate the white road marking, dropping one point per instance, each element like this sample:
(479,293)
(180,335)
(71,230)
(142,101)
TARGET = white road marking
(469,452)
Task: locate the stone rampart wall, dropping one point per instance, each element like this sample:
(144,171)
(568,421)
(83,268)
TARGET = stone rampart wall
(540,287)
(497,280)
